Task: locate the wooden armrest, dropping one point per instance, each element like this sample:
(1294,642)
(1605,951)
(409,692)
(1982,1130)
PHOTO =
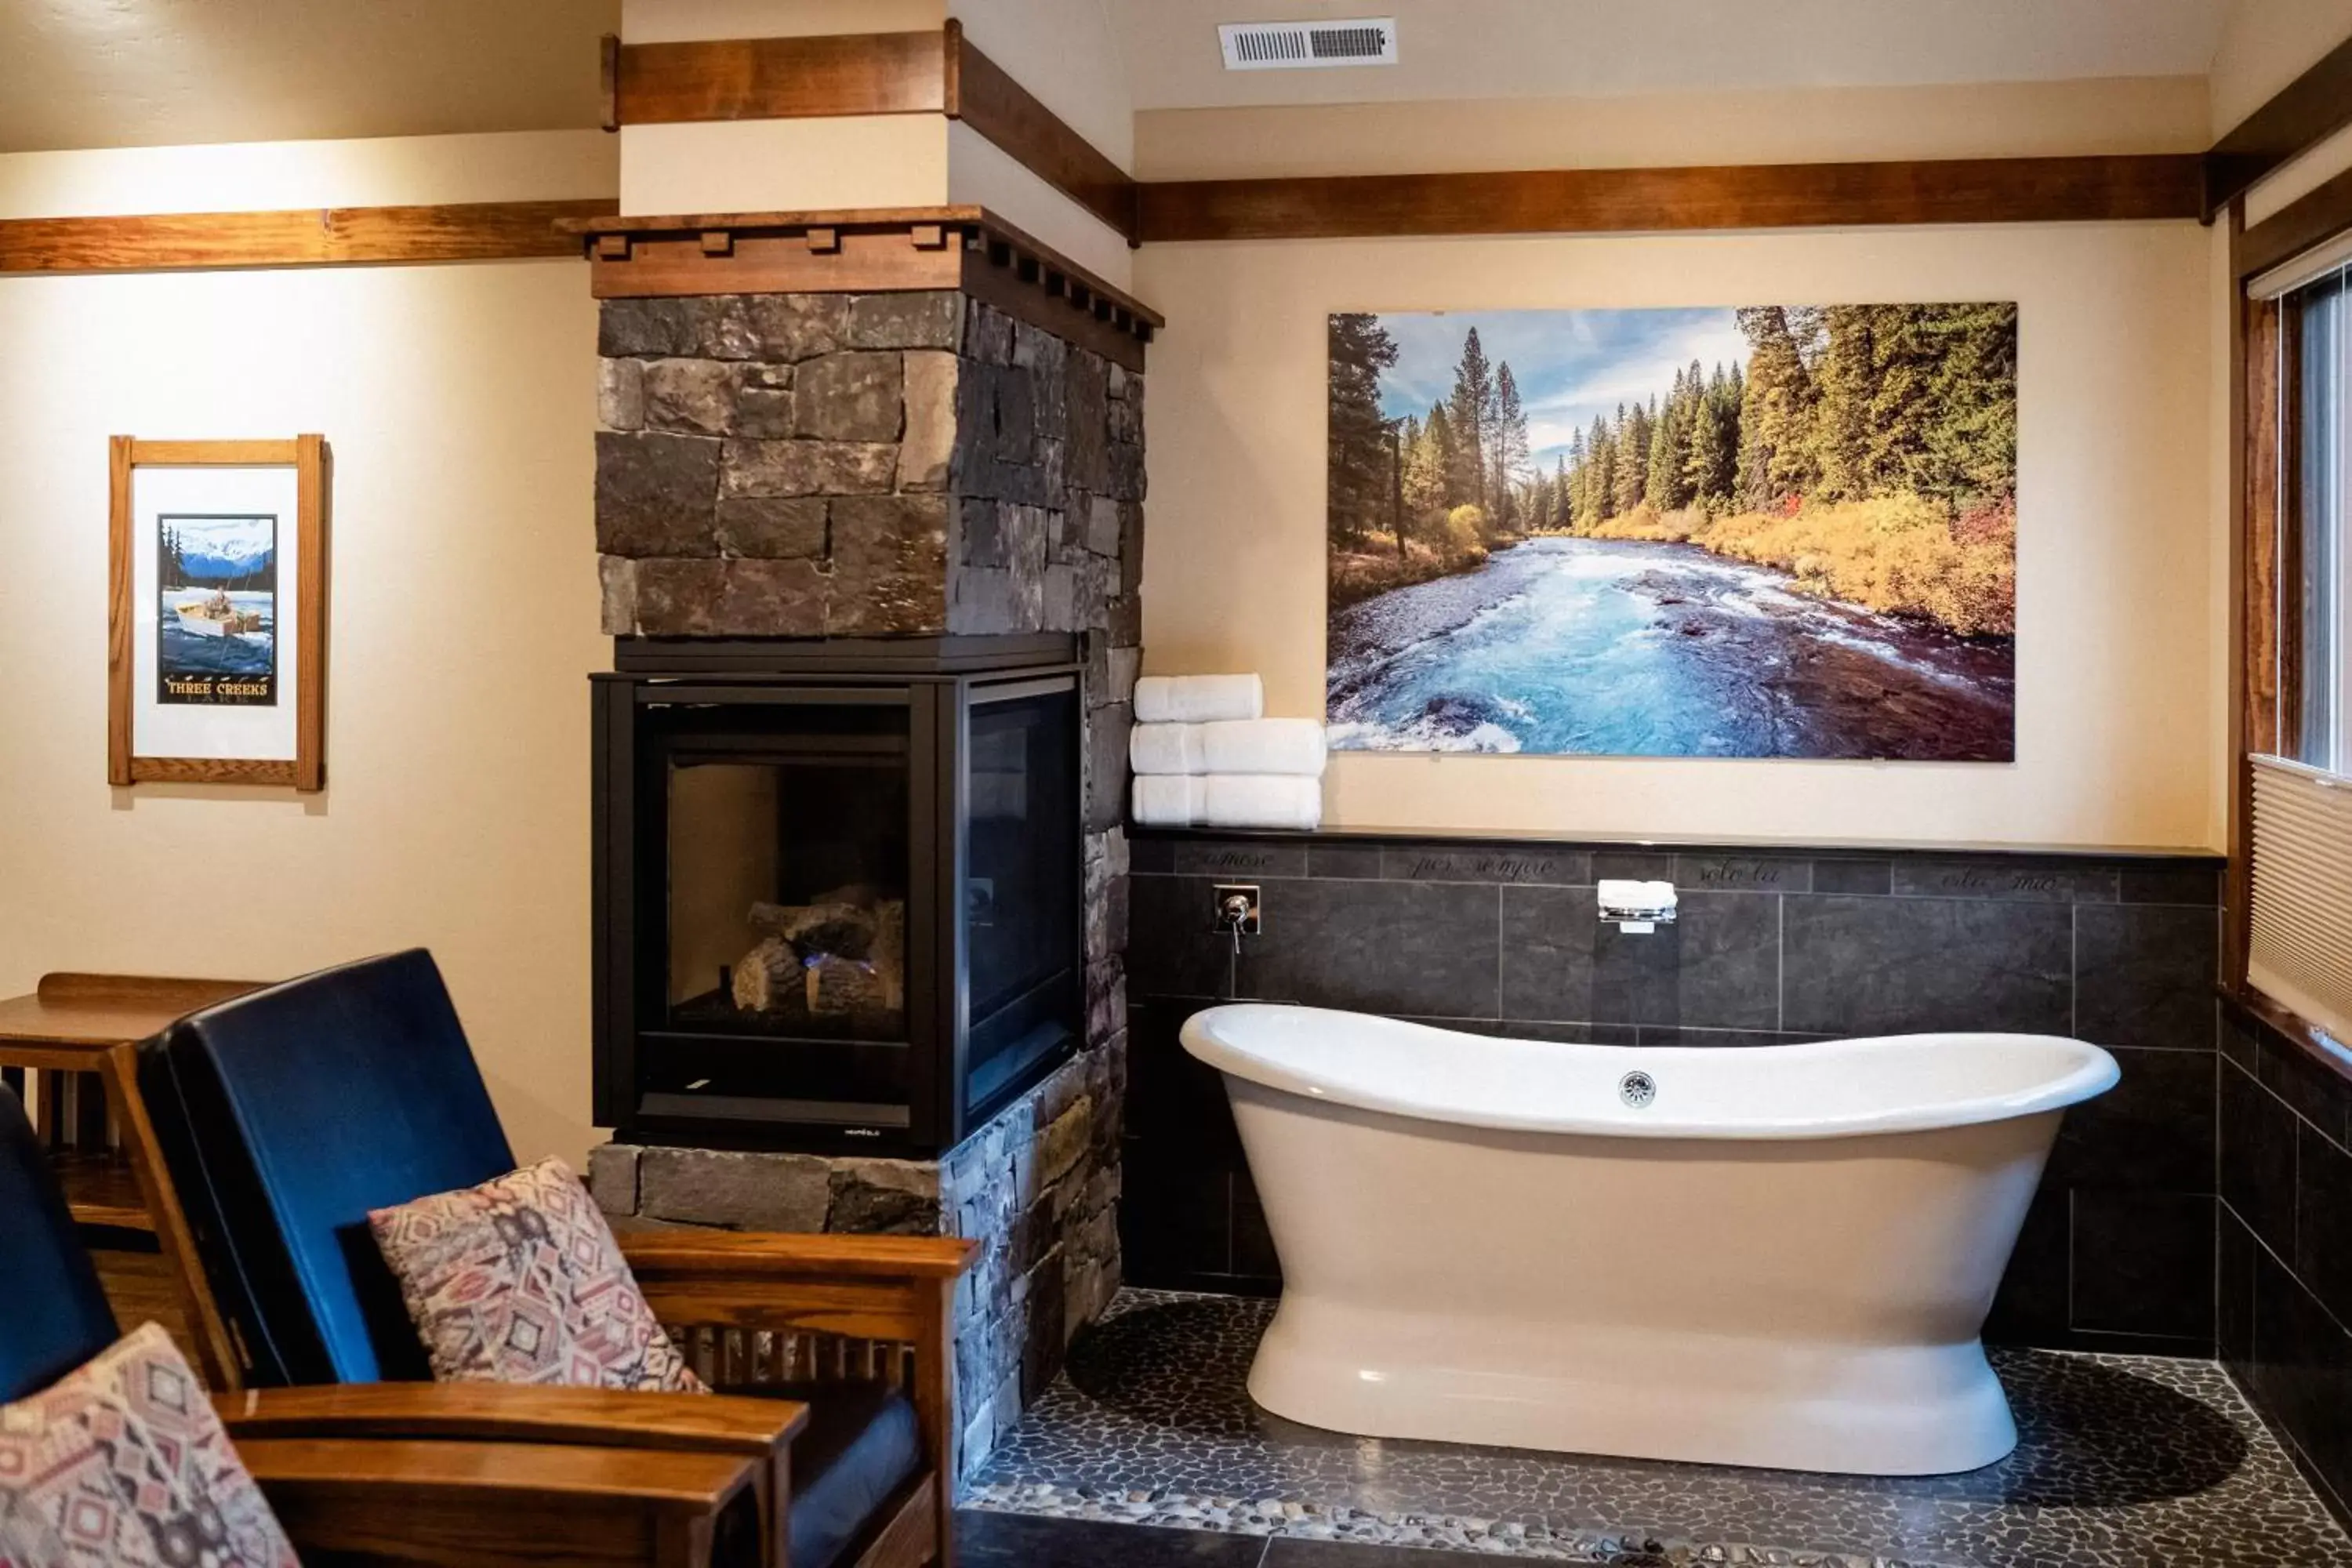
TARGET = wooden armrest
(503,1413)
(780,1253)
(523,1470)
(896,1289)
(482,1504)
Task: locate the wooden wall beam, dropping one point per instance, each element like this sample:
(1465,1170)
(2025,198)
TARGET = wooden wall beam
(2305,112)
(477,231)
(982,95)
(2316,216)
(780,78)
(867,73)
(1767,195)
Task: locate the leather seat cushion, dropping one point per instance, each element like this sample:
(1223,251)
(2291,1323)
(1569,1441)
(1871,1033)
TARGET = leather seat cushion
(862,1444)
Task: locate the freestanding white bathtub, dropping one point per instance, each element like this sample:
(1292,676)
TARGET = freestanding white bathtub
(1777,1256)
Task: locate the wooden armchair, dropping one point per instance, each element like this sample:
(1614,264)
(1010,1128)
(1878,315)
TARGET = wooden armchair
(762,1314)
(476,1504)
(284,1116)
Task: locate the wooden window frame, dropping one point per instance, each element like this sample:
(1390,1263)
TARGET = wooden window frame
(2266,640)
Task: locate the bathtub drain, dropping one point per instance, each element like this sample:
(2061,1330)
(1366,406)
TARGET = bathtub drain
(1637,1090)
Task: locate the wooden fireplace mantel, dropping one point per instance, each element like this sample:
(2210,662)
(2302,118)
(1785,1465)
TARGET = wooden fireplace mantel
(867,250)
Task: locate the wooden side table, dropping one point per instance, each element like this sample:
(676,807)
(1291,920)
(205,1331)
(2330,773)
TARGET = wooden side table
(85,1028)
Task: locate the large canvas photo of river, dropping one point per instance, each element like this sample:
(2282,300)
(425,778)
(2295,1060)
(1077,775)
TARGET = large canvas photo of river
(216,618)
(1763,532)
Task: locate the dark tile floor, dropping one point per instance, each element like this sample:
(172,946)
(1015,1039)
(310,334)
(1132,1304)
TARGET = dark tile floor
(2124,1462)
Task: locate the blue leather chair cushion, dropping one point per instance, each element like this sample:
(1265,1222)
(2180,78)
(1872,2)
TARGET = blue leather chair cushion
(285,1116)
(861,1444)
(53,1316)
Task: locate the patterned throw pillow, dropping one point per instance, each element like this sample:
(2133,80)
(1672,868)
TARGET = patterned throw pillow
(125,1465)
(520,1280)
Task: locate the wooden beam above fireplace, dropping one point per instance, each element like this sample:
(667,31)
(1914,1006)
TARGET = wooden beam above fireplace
(868,251)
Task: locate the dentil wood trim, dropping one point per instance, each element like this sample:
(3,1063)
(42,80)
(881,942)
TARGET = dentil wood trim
(309,236)
(1762,195)
(877,250)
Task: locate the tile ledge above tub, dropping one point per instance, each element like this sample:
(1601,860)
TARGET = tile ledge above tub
(2180,878)
(1680,845)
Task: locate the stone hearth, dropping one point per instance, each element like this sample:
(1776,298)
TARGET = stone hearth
(880,465)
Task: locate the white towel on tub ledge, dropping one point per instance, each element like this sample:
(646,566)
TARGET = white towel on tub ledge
(1229,746)
(1227,800)
(1165,749)
(1198,699)
(1166,800)
(1264,747)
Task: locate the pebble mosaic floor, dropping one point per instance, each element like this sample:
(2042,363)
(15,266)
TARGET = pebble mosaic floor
(2124,1462)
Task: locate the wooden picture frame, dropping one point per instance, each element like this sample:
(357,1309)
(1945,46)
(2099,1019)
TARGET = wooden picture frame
(308,460)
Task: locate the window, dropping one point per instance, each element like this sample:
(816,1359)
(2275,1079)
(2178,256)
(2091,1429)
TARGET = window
(2315,517)
(2297,811)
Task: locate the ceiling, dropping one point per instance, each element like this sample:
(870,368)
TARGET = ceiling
(114,73)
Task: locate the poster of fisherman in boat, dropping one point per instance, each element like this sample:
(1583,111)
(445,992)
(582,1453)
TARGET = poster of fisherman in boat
(217,619)
(1778,530)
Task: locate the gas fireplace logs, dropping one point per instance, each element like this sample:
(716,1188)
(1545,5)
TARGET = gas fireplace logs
(843,953)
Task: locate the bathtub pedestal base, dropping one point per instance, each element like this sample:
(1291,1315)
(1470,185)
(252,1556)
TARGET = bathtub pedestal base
(1625,1392)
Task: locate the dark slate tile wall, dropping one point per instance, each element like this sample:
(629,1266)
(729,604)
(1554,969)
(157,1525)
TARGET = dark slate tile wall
(2284,1312)
(2119,1251)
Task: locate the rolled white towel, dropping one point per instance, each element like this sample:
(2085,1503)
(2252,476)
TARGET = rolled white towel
(1260,800)
(1166,800)
(1165,749)
(1198,699)
(1262,746)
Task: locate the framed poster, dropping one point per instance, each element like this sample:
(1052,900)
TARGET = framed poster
(1775,530)
(216,616)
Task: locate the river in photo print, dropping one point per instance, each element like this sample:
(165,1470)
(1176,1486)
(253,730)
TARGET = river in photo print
(1773,531)
(216,615)
(1612,647)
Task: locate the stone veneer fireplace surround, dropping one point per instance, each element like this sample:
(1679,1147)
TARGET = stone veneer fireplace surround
(922,427)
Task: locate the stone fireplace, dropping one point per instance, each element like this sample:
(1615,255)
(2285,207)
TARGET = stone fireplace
(860,458)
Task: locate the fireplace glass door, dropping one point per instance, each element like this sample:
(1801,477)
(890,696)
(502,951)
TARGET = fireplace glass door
(785,847)
(1022,886)
(840,908)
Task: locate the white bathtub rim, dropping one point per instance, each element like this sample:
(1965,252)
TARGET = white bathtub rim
(1211,1036)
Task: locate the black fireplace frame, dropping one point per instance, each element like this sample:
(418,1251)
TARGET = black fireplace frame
(938,678)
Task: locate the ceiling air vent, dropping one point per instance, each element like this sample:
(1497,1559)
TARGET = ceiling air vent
(1302,45)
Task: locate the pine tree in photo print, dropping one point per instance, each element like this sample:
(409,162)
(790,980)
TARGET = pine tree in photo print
(1764,531)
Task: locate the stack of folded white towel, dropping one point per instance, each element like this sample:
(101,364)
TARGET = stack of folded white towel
(1204,755)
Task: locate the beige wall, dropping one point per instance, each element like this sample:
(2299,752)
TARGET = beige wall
(2117,739)
(460,402)
(2125,114)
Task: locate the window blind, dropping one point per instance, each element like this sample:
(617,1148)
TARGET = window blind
(2301,950)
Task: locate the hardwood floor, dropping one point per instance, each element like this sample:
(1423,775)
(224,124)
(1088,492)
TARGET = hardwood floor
(140,1288)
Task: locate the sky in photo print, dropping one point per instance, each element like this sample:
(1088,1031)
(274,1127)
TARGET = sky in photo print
(1570,364)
